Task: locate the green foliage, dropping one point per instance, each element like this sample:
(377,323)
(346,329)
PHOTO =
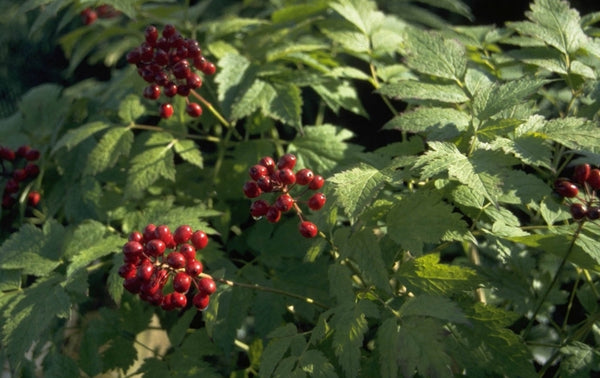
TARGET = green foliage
(443,249)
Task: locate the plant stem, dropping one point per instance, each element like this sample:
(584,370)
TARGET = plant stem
(211,108)
(184,135)
(272,290)
(554,280)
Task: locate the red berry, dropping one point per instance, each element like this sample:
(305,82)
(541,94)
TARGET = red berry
(200,63)
(23,150)
(166,110)
(193,47)
(193,109)
(127,270)
(284,202)
(265,184)
(189,251)
(151,34)
(578,211)
(7,154)
(152,92)
(181,69)
(179,300)
(88,16)
(32,170)
(161,57)
(19,175)
(163,233)
(32,155)
(316,183)
(12,186)
(308,229)
(33,198)
(136,236)
(184,91)
(132,284)
(273,214)
(134,56)
(145,270)
(170,90)
(287,161)
(304,176)
(193,267)
(207,286)
(594,179)
(201,301)
(169,30)
(133,248)
(286,176)
(269,163)
(257,171)
(593,213)
(156,247)
(167,302)
(209,68)
(176,260)
(581,173)
(182,234)
(259,208)
(149,232)
(317,201)
(182,282)
(251,189)
(199,239)
(566,188)
(194,81)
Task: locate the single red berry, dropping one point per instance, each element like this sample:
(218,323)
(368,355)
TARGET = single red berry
(316,183)
(317,201)
(566,188)
(133,248)
(151,287)
(184,91)
(145,270)
(188,250)
(19,174)
(156,247)
(7,154)
(134,56)
(182,282)
(179,299)
(88,16)
(163,232)
(251,189)
(8,201)
(167,303)
(32,170)
(287,161)
(147,52)
(181,69)
(304,176)
(132,284)
(161,57)
(578,211)
(166,110)
(257,171)
(209,68)
(206,285)
(193,267)
(170,89)
(127,270)
(581,173)
(168,31)
(265,184)
(286,176)
(176,260)
(193,109)
(151,35)
(200,63)
(12,186)
(594,179)
(284,202)
(152,92)
(269,163)
(199,239)
(201,301)
(136,236)
(593,213)
(273,214)
(23,150)
(149,232)
(308,229)
(33,198)
(194,81)
(32,155)
(193,47)
(182,234)
(259,208)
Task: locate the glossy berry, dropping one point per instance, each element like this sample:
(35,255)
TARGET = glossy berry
(259,208)
(151,34)
(163,233)
(287,161)
(593,213)
(193,109)
(594,179)
(88,16)
(127,270)
(316,183)
(273,214)
(304,176)
(209,68)
(286,176)
(193,267)
(316,201)
(581,173)
(135,236)
(265,184)
(182,282)
(19,174)
(133,248)
(189,251)
(7,154)
(182,234)
(132,284)
(284,202)
(578,211)
(149,232)
(152,92)
(145,270)
(33,198)
(32,155)
(566,188)
(308,229)
(179,300)
(156,247)
(166,110)
(251,189)
(32,170)
(170,89)
(207,285)
(268,163)
(168,31)
(199,239)
(201,301)
(176,260)
(257,171)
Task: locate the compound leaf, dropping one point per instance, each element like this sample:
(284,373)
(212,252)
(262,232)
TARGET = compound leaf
(413,91)
(75,136)
(493,99)
(436,122)
(189,151)
(115,143)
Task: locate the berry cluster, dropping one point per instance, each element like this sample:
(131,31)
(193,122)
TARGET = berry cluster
(89,15)
(151,258)
(17,168)
(583,190)
(166,62)
(268,177)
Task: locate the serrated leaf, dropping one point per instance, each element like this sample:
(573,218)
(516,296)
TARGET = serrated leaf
(131,108)
(413,91)
(190,152)
(154,162)
(234,78)
(89,243)
(499,97)
(387,347)
(75,136)
(296,12)
(339,94)
(340,283)
(438,307)
(350,325)
(426,274)
(578,359)
(285,105)
(340,32)
(530,149)
(356,188)
(576,133)
(114,144)
(114,282)
(280,342)
(323,147)
(315,364)
(361,13)
(257,95)
(431,54)
(437,123)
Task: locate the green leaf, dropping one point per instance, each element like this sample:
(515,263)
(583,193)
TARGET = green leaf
(437,123)
(298,12)
(314,363)
(356,188)
(361,13)
(499,97)
(114,144)
(259,94)
(387,347)
(427,275)
(234,78)
(190,152)
(349,324)
(114,282)
(437,307)
(155,161)
(340,32)
(340,94)
(530,149)
(340,283)
(420,92)
(575,133)
(131,108)
(578,359)
(280,342)
(31,315)
(431,54)
(285,105)
(75,136)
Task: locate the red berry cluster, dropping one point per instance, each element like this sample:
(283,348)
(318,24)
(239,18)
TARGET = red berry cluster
(268,177)
(583,190)
(151,258)
(17,168)
(166,62)
(89,15)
